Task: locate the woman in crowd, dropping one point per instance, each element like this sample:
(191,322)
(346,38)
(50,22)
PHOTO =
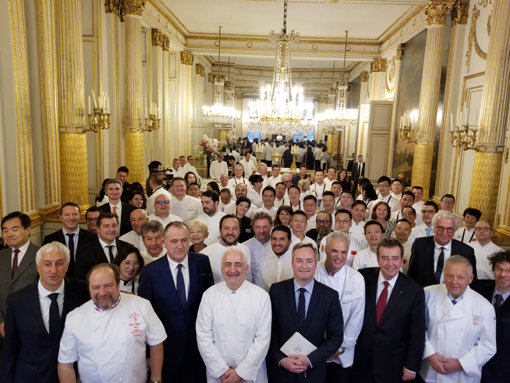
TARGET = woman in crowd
(367,192)
(242,206)
(130,262)
(198,232)
(304,186)
(283,216)
(382,213)
(137,198)
(190,178)
(213,185)
(342,178)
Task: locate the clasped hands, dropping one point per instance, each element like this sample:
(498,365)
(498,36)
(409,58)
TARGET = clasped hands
(296,363)
(444,365)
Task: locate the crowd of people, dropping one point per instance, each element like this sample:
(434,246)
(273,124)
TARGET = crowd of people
(257,275)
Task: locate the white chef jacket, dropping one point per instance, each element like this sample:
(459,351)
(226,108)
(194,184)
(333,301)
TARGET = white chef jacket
(213,225)
(217,169)
(365,258)
(234,330)
(215,253)
(354,248)
(465,331)
(350,286)
(257,251)
(188,208)
(275,269)
(110,345)
(482,254)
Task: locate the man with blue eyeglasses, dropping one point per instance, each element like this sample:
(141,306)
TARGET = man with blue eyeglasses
(429,254)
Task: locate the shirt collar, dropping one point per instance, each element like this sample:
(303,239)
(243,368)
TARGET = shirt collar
(76,232)
(104,244)
(308,287)
(43,292)
(448,246)
(23,249)
(391,281)
(173,264)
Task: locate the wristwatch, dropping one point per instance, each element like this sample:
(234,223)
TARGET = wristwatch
(341,350)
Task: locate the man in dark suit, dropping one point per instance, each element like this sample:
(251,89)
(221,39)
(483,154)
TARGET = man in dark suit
(303,305)
(122,175)
(17,262)
(113,189)
(174,284)
(497,370)
(32,331)
(394,321)
(71,235)
(358,171)
(428,254)
(101,249)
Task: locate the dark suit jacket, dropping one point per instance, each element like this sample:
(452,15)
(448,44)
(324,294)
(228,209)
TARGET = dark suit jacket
(92,254)
(30,353)
(497,370)
(182,363)
(26,275)
(84,237)
(383,351)
(323,327)
(125,223)
(355,173)
(421,265)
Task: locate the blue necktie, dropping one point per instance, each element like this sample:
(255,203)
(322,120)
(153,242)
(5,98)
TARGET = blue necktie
(301,307)
(181,290)
(429,231)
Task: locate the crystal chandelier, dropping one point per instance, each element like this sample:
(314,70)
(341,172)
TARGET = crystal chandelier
(338,117)
(221,113)
(281,107)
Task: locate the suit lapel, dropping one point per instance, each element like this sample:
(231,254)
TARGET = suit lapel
(291,301)
(193,276)
(25,263)
(167,279)
(371,287)
(397,293)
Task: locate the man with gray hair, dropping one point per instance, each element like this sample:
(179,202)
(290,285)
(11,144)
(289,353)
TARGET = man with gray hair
(137,218)
(429,254)
(36,316)
(234,324)
(335,273)
(152,238)
(460,332)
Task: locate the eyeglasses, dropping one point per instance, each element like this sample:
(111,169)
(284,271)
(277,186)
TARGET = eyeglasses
(408,213)
(383,185)
(323,221)
(483,228)
(91,219)
(163,201)
(449,230)
(343,221)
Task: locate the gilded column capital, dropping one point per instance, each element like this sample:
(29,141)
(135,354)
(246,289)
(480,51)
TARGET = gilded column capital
(364,76)
(157,38)
(379,65)
(166,43)
(111,6)
(210,77)
(400,51)
(436,11)
(186,58)
(199,69)
(133,7)
(460,13)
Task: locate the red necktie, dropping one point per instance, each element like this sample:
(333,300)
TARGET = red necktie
(381,302)
(15,262)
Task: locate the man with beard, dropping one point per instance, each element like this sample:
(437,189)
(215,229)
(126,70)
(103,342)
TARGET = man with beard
(130,323)
(211,216)
(323,228)
(261,224)
(276,265)
(230,229)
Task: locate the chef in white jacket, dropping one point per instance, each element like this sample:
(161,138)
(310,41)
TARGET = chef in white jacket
(461,327)
(234,324)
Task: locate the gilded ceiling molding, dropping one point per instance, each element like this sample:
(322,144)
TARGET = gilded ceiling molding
(389,82)
(112,6)
(400,51)
(166,43)
(460,13)
(379,65)
(472,39)
(133,7)
(364,76)
(210,78)
(157,38)
(186,58)
(199,69)
(436,11)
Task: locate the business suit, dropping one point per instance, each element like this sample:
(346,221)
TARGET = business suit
(383,350)
(323,327)
(30,352)
(421,264)
(182,362)
(124,219)
(356,173)
(497,370)
(84,237)
(92,254)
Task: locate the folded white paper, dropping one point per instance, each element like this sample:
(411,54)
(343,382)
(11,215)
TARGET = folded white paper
(297,344)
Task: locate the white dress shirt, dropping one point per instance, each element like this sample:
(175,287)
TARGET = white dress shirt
(45,302)
(185,272)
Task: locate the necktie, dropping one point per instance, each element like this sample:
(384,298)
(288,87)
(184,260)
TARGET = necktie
(71,244)
(114,209)
(381,302)
(15,262)
(181,289)
(301,315)
(440,263)
(454,302)
(54,315)
(110,251)
(498,300)
(429,231)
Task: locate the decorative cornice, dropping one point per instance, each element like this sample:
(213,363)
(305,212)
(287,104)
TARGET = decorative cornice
(379,65)
(460,13)
(166,43)
(363,77)
(400,51)
(210,78)
(186,58)
(157,38)
(436,11)
(133,7)
(199,69)
(111,6)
